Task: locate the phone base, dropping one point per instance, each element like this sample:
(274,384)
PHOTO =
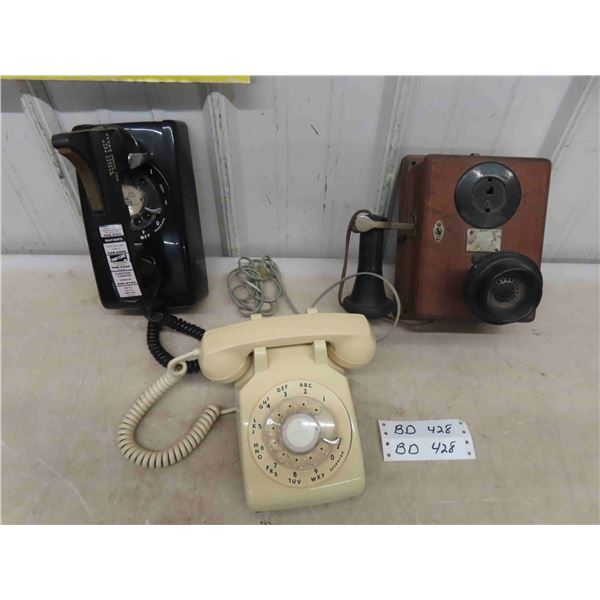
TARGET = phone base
(265,502)
(282,468)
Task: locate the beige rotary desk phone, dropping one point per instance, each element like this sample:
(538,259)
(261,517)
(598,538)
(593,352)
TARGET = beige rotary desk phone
(297,433)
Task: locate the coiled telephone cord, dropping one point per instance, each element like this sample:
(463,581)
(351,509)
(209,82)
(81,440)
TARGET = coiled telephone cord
(152,459)
(156,322)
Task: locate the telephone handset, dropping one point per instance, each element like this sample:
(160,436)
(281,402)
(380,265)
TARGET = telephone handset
(225,353)
(298,440)
(138,201)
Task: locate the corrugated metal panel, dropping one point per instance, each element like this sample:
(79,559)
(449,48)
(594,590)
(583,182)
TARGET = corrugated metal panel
(573,212)
(37,216)
(281,164)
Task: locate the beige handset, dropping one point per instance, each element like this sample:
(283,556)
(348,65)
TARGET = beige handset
(297,434)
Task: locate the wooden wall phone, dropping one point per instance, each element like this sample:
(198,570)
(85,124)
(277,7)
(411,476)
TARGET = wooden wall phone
(479,231)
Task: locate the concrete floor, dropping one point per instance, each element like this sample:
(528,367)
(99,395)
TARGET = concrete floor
(70,369)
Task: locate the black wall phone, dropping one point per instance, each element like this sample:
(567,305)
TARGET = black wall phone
(139,206)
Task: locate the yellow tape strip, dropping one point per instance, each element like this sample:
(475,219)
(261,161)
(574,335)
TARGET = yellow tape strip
(140,78)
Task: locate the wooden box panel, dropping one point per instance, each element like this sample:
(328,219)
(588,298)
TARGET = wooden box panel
(430,274)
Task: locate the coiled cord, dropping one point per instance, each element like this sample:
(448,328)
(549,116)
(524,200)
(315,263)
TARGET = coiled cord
(156,322)
(152,459)
(247,285)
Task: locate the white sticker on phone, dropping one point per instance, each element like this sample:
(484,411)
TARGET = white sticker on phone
(110,231)
(121,269)
(439,439)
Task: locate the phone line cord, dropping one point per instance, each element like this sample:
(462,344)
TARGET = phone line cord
(158,320)
(145,457)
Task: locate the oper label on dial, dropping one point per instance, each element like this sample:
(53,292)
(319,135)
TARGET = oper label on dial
(299,433)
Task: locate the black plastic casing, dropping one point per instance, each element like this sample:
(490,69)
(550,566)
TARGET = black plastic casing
(178,277)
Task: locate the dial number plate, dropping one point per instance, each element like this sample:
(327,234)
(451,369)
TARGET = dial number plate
(264,433)
(145,194)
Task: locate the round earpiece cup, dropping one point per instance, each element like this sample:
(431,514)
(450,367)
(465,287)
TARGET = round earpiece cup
(503,288)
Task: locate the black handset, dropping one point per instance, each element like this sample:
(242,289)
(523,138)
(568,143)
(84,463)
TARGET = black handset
(139,206)
(138,199)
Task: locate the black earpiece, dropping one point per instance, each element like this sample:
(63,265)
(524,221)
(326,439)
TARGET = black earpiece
(503,287)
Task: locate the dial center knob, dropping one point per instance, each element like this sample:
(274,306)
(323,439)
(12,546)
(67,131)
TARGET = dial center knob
(134,199)
(300,432)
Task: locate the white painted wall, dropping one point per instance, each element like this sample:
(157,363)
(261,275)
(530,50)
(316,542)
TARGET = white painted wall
(282,163)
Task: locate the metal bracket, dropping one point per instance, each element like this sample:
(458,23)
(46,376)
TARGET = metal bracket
(364,223)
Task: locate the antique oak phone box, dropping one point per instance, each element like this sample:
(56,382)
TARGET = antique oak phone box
(476,247)
(138,200)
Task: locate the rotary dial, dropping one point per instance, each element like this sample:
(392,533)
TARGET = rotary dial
(145,194)
(299,433)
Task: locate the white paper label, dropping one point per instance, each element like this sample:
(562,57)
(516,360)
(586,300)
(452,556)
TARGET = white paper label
(440,439)
(122,269)
(110,231)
